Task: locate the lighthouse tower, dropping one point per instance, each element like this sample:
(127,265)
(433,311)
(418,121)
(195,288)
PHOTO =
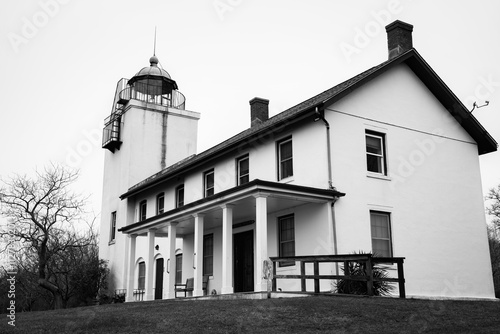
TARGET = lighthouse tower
(148,130)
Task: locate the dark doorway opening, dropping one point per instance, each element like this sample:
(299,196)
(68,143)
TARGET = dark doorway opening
(243,261)
(159,279)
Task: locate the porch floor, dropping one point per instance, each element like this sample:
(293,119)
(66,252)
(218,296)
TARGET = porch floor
(250,295)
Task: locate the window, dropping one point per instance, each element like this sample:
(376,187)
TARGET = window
(178,269)
(141,284)
(208,254)
(208,180)
(286,226)
(142,210)
(112,234)
(160,203)
(179,196)
(375,152)
(243,171)
(381,233)
(285,161)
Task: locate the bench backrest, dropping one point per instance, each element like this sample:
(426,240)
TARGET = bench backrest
(205,282)
(190,283)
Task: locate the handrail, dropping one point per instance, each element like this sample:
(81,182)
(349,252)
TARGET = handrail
(175,99)
(367,259)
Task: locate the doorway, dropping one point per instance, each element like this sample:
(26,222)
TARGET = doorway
(159,279)
(243,261)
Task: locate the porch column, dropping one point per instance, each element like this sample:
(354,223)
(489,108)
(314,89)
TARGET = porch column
(198,254)
(150,265)
(227,248)
(131,268)
(172,235)
(260,284)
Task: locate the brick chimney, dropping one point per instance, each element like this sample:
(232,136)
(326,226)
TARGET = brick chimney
(399,38)
(259,110)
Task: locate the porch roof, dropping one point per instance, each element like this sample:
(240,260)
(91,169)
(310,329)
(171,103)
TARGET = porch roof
(283,195)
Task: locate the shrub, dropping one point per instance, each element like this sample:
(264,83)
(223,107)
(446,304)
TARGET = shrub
(355,287)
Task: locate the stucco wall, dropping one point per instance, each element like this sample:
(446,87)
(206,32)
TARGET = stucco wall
(433,188)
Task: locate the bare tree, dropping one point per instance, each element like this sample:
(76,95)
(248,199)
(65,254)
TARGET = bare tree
(45,213)
(494,209)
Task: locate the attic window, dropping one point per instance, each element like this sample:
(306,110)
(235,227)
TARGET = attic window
(375,152)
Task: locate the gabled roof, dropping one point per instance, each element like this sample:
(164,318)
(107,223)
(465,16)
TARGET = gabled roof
(412,58)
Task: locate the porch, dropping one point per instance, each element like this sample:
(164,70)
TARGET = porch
(271,277)
(242,237)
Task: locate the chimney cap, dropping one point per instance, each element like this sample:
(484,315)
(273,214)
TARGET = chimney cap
(399,24)
(258,99)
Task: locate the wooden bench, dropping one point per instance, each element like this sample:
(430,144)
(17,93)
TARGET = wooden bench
(189,286)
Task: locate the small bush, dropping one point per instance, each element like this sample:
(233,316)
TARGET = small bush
(354,287)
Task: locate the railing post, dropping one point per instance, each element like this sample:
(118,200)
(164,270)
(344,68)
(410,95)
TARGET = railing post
(274,276)
(401,279)
(369,273)
(347,272)
(316,273)
(302,274)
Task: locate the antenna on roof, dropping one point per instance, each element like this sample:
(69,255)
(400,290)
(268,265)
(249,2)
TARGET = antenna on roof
(154,49)
(474,105)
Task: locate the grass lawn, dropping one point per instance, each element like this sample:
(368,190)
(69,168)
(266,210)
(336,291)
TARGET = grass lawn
(336,314)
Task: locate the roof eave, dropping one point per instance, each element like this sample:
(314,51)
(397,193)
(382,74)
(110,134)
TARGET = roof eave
(485,142)
(254,185)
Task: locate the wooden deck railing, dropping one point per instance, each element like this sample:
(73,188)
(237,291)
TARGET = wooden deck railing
(367,259)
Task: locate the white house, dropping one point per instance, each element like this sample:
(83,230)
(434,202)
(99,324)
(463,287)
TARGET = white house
(387,161)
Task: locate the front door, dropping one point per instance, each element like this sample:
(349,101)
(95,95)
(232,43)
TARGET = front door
(159,279)
(243,261)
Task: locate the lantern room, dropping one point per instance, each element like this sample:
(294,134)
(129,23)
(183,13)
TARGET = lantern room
(153,85)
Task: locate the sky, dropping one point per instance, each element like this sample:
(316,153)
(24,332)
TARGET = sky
(61,60)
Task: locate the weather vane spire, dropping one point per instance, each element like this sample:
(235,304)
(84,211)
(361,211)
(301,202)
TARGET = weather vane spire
(154,48)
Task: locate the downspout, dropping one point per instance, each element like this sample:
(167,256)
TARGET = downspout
(320,116)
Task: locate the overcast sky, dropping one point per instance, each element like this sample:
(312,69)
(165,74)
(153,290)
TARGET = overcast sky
(61,61)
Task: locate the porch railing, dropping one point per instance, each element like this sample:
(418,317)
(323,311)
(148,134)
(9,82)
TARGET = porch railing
(139,295)
(367,259)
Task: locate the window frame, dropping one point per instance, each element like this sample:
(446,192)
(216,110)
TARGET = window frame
(383,149)
(208,191)
(162,197)
(281,161)
(112,233)
(178,269)
(143,205)
(208,257)
(389,232)
(240,176)
(141,279)
(281,219)
(178,201)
